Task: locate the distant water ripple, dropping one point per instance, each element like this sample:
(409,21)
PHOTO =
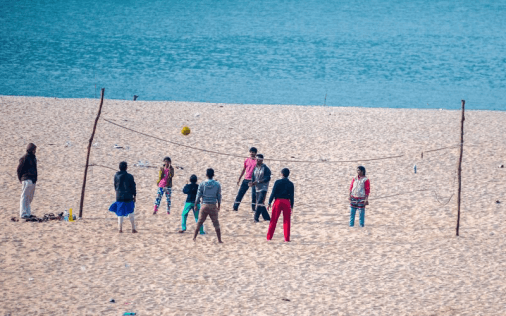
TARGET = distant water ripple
(400,54)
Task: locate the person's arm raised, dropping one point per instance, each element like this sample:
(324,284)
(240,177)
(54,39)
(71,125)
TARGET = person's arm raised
(186,188)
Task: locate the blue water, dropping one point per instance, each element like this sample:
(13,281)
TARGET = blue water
(399,54)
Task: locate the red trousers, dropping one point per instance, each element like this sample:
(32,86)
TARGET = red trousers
(280,205)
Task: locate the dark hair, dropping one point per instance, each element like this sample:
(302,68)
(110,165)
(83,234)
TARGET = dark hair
(193,178)
(260,156)
(210,173)
(167,159)
(253,149)
(285,172)
(30,148)
(123,166)
(363,169)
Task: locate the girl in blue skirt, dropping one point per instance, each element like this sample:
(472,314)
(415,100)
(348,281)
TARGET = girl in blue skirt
(124,206)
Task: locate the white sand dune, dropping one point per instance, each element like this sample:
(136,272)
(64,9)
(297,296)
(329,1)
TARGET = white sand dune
(407,261)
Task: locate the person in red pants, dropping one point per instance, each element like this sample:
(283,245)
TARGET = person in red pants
(282,192)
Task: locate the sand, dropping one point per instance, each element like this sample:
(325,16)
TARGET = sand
(406,261)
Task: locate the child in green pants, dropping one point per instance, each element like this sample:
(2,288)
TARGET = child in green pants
(191,190)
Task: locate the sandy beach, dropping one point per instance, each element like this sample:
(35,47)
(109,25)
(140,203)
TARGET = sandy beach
(406,261)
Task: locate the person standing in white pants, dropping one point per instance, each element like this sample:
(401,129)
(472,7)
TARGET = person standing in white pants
(27,176)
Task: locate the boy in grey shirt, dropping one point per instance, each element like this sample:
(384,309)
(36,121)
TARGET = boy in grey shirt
(210,193)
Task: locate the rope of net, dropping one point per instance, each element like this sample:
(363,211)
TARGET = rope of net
(268,159)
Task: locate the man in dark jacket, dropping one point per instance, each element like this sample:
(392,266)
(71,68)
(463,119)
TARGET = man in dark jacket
(126,192)
(27,176)
(260,183)
(124,184)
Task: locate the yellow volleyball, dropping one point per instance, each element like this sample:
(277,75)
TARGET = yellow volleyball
(185,130)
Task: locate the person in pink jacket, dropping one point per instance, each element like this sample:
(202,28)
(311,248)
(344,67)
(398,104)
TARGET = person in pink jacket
(165,175)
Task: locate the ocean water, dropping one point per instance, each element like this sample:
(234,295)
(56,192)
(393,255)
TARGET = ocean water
(398,54)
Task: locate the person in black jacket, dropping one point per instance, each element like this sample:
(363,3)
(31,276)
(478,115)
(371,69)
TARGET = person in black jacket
(27,176)
(126,193)
(191,190)
(283,192)
(260,184)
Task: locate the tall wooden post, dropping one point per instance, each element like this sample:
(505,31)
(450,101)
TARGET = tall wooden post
(460,164)
(88,155)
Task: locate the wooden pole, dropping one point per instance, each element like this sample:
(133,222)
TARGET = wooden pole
(88,155)
(460,165)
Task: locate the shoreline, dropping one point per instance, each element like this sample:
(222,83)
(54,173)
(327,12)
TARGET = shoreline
(253,104)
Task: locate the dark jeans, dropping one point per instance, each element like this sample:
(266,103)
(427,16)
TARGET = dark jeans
(260,206)
(242,190)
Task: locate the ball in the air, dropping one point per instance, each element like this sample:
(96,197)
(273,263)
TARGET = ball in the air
(185,130)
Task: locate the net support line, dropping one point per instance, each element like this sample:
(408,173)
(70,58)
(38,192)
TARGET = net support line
(242,157)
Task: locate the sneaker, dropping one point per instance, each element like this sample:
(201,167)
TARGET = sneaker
(155,210)
(168,211)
